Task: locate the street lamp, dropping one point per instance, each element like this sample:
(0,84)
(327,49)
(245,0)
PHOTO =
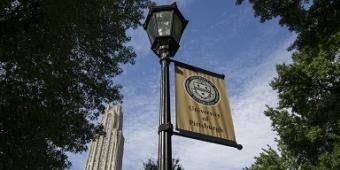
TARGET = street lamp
(165,25)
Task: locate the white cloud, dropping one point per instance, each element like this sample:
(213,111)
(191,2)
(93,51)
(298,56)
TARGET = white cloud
(139,41)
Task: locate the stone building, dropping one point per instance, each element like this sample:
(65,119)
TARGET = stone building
(106,152)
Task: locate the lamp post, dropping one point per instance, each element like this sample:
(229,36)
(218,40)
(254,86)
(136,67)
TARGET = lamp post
(165,25)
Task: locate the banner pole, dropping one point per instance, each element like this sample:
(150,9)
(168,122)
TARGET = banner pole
(165,127)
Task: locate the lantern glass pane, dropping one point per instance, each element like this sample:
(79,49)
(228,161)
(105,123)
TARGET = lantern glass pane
(152,29)
(164,22)
(177,28)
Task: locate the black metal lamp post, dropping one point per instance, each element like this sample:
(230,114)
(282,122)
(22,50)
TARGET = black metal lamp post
(165,25)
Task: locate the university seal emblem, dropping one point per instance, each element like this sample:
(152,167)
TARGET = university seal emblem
(202,90)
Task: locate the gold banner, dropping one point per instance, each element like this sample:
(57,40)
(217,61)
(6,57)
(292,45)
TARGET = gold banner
(202,106)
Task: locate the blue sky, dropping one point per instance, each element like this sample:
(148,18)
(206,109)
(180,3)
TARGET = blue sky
(220,37)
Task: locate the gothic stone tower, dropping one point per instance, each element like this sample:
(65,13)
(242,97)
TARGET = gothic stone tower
(106,152)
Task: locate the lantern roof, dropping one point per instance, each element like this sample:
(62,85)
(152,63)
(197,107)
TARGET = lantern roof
(173,6)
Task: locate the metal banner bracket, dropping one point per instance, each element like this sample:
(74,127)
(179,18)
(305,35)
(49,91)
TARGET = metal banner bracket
(165,127)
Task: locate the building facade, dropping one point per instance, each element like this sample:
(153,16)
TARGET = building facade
(106,152)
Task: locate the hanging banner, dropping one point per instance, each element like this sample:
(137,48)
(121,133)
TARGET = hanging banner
(202,106)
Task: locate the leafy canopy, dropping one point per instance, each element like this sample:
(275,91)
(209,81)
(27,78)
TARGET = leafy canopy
(307,118)
(152,165)
(314,21)
(57,61)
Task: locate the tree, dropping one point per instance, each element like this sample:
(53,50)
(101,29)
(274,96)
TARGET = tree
(269,160)
(57,63)
(152,165)
(307,117)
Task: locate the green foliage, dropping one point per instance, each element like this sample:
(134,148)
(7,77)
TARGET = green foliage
(269,160)
(307,119)
(152,165)
(315,21)
(57,61)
